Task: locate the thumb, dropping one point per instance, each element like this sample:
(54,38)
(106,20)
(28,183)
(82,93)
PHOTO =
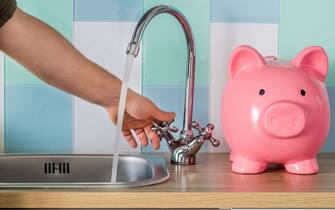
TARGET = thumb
(161,115)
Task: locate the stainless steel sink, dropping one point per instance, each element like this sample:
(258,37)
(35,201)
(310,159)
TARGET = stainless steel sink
(44,171)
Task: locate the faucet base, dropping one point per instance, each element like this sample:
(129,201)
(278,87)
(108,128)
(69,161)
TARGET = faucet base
(186,160)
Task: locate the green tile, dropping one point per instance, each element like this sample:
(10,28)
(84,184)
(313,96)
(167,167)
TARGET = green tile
(303,23)
(58,14)
(164,48)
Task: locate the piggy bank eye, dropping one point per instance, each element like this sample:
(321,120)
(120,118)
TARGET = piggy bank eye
(303,92)
(261,92)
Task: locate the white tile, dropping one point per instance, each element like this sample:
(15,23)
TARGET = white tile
(2,102)
(224,39)
(105,43)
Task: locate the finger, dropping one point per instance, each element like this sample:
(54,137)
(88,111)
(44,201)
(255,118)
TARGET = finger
(161,115)
(155,141)
(130,138)
(130,122)
(142,136)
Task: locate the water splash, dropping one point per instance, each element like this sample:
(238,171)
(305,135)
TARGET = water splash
(122,105)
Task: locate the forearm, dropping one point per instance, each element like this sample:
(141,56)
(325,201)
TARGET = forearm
(48,55)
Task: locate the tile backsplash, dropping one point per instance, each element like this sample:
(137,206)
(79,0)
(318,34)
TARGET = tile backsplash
(39,118)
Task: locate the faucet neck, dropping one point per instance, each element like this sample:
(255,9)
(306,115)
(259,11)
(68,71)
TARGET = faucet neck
(134,47)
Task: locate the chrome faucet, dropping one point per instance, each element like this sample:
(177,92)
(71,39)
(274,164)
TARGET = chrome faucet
(184,149)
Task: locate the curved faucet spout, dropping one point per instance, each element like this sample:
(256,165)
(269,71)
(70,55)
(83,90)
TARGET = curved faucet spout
(134,47)
(184,149)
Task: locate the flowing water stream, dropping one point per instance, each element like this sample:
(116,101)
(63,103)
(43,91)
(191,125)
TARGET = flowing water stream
(122,105)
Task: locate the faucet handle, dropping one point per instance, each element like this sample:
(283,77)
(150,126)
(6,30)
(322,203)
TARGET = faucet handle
(162,128)
(215,142)
(206,132)
(196,125)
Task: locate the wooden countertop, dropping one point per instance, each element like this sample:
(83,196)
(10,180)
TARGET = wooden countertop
(209,184)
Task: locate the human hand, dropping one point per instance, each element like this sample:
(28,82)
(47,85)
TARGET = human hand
(139,114)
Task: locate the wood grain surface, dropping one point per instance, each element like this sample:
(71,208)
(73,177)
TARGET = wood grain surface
(209,184)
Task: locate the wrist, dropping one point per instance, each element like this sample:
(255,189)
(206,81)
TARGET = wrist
(114,102)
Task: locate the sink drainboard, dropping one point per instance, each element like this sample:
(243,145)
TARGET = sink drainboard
(80,170)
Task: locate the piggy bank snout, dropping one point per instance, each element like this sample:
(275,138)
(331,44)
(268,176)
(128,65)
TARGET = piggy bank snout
(284,120)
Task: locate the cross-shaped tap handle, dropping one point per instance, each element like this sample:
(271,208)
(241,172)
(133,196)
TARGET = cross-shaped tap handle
(161,128)
(206,132)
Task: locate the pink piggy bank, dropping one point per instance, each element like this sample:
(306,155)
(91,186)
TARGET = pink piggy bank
(275,111)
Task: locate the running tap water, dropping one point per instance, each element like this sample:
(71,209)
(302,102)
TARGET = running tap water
(122,106)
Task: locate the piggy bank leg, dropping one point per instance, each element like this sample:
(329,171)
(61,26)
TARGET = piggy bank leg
(231,157)
(309,166)
(245,166)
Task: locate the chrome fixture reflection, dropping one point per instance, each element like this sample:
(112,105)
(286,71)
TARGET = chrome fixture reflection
(184,149)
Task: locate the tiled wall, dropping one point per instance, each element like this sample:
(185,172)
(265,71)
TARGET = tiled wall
(102,30)
(39,118)
(234,23)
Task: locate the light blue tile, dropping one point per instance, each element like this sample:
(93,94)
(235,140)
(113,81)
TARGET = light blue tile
(164,46)
(107,10)
(307,23)
(245,11)
(171,98)
(38,118)
(59,15)
(330,143)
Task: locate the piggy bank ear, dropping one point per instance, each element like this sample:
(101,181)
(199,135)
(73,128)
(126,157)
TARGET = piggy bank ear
(242,58)
(313,59)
